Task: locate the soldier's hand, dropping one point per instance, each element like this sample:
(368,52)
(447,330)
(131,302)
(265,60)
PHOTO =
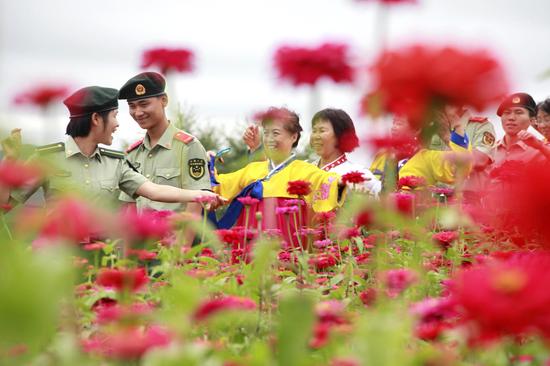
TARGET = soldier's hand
(251,137)
(12,144)
(530,140)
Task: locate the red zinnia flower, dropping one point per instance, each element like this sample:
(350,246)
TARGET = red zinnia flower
(398,280)
(167,59)
(411,80)
(214,306)
(272,114)
(411,182)
(70,219)
(306,66)
(354,177)
(404,146)
(14,174)
(122,279)
(299,187)
(506,297)
(42,96)
(127,343)
(145,225)
(445,238)
(248,201)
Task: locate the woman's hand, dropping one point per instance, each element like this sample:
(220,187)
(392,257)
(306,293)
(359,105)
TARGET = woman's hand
(251,137)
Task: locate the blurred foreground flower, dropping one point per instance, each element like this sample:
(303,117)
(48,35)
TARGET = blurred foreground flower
(42,96)
(506,297)
(127,343)
(122,279)
(306,66)
(15,174)
(168,59)
(214,306)
(412,80)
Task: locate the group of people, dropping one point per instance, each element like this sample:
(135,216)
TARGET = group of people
(170,170)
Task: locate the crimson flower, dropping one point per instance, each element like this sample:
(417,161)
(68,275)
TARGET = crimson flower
(168,59)
(404,145)
(354,177)
(404,202)
(94,246)
(398,280)
(348,141)
(42,96)
(364,218)
(248,201)
(14,174)
(306,66)
(122,279)
(411,80)
(148,224)
(388,2)
(82,225)
(127,343)
(411,181)
(272,114)
(214,306)
(368,297)
(325,217)
(299,187)
(142,254)
(323,261)
(505,297)
(445,238)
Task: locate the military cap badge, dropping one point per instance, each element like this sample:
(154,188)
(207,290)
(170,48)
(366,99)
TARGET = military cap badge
(140,89)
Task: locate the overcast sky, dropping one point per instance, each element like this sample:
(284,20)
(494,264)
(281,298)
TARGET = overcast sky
(100,42)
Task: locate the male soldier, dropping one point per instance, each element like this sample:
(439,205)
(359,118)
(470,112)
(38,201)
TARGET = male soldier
(103,173)
(167,155)
(517,112)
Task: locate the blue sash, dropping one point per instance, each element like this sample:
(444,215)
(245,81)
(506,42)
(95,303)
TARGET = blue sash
(254,190)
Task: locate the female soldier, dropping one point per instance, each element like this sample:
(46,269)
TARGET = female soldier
(102,172)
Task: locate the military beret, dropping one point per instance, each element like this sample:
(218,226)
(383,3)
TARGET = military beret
(91,99)
(144,85)
(518,100)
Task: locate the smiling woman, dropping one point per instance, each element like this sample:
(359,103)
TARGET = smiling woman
(268,182)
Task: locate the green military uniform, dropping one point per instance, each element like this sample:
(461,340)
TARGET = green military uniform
(101,176)
(480,132)
(177,160)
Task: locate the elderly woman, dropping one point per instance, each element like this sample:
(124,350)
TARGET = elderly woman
(268,181)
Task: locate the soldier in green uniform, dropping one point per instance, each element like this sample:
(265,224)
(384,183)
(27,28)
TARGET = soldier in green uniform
(167,155)
(102,172)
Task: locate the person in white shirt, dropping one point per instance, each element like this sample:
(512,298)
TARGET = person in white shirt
(333,136)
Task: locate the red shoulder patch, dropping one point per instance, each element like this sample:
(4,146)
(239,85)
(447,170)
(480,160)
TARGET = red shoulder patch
(479,119)
(183,137)
(134,145)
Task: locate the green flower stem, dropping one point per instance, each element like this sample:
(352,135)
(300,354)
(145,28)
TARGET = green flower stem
(5,224)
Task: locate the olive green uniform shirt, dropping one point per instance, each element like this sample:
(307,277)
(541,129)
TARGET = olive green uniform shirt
(177,160)
(101,176)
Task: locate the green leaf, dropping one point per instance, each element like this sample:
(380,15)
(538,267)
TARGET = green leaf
(296,319)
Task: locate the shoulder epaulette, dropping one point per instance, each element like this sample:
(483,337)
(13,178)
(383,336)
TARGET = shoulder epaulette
(183,137)
(479,119)
(134,145)
(51,148)
(111,153)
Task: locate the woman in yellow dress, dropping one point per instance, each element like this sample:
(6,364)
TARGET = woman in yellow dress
(267,182)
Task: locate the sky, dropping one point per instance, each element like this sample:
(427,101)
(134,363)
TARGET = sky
(81,43)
